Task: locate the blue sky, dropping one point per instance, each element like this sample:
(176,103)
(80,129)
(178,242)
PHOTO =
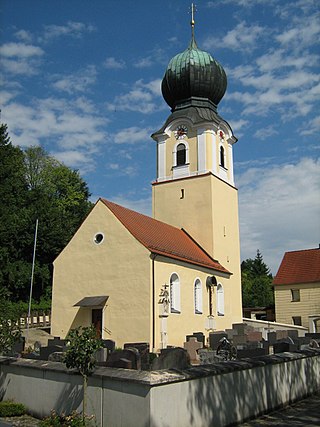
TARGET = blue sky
(82,79)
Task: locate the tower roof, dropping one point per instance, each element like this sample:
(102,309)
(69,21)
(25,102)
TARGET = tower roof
(194,77)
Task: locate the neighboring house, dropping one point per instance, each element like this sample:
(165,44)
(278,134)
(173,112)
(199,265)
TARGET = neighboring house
(159,279)
(297,289)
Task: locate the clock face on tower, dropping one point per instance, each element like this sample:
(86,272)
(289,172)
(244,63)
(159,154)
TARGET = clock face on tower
(181,132)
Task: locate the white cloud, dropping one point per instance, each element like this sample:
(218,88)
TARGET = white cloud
(242,38)
(144,62)
(76,160)
(113,63)
(279,209)
(20,50)
(312,127)
(72,29)
(77,82)
(132,135)
(141,98)
(74,134)
(20,58)
(302,34)
(139,205)
(264,133)
(24,35)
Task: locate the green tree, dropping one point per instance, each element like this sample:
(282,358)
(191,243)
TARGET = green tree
(82,346)
(10,331)
(256,281)
(34,185)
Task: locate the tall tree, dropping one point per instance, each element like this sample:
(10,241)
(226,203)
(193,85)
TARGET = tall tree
(256,283)
(34,185)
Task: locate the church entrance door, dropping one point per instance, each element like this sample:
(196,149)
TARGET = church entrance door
(97,321)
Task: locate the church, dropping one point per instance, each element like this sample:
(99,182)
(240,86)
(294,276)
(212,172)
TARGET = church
(157,279)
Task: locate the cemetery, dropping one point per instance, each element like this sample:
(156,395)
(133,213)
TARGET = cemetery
(131,386)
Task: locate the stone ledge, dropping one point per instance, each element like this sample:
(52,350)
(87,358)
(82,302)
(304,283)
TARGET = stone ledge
(155,378)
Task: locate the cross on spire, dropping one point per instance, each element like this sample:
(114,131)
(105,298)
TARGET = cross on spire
(192,23)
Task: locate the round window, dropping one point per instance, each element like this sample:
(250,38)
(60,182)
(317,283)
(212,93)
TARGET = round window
(98,238)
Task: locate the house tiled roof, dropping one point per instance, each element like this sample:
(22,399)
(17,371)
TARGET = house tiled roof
(299,267)
(163,239)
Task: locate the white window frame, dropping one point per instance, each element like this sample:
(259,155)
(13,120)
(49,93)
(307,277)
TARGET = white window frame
(198,296)
(175,306)
(220,300)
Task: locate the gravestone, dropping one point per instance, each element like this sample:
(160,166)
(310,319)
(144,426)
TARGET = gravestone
(128,354)
(313,335)
(122,363)
(172,358)
(18,346)
(56,341)
(144,350)
(239,339)
(46,351)
(192,346)
(281,334)
(272,337)
(56,356)
(207,357)
(110,345)
(101,356)
(200,337)
(240,328)
(231,333)
(293,334)
(251,353)
(284,345)
(254,336)
(214,339)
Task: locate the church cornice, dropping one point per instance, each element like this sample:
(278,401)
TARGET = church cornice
(202,175)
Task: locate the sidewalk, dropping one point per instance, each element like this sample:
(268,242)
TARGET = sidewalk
(305,413)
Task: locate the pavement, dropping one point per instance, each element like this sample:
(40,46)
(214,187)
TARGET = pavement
(305,413)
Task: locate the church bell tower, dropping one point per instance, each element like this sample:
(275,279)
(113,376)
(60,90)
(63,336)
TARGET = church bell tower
(194,188)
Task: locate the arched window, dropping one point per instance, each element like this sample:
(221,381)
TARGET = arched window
(220,300)
(174,293)
(181,155)
(198,296)
(222,156)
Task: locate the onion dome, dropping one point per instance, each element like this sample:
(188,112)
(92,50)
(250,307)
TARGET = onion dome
(193,77)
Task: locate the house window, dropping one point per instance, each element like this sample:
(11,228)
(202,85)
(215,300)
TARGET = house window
(220,300)
(181,155)
(222,163)
(198,297)
(296,320)
(174,293)
(295,295)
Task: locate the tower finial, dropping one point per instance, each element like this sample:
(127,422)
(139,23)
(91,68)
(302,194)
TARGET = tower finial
(192,23)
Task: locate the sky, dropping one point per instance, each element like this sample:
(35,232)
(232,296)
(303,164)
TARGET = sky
(82,79)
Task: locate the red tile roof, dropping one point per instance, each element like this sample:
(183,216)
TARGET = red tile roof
(299,267)
(163,239)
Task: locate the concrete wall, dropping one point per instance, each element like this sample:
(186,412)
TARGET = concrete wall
(218,394)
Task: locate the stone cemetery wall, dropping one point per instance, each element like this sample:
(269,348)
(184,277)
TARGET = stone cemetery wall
(219,394)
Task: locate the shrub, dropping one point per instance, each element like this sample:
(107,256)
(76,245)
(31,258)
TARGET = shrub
(11,409)
(73,420)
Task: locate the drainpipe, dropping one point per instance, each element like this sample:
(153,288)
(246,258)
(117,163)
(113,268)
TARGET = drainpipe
(153,256)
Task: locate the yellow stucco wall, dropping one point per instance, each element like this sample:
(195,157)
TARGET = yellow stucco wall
(118,267)
(209,213)
(187,321)
(308,305)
